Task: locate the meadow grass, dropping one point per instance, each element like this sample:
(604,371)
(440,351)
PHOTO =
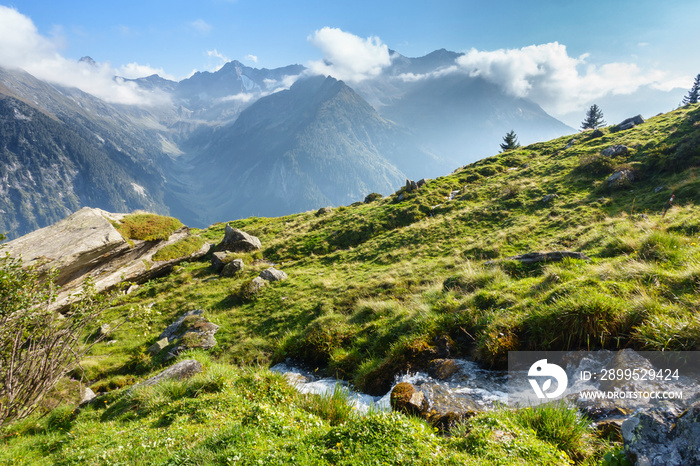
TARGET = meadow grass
(381,288)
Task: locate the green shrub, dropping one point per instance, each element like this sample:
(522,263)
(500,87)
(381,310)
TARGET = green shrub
(669,333)
(489,170)
(372,197)
(520,269)
(616,246)
(61,418)
(486,299)
(321,338)
(473,279)
(596,164)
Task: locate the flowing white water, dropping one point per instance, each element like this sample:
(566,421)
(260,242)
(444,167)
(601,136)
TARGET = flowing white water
(482,387)
(306,382)
(471,388)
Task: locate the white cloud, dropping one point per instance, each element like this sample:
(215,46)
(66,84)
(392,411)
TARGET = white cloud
(347,56)
(549,76)
(134,70)
(252,58)
(243,97)
(274,85)
(21,46)
(681,82)
(201,26)
(221,59)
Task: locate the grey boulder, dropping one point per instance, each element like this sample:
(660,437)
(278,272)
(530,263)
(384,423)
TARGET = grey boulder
(629,123)
(232,268)
(238,241)
(273,275)
(180,371)
(614,151)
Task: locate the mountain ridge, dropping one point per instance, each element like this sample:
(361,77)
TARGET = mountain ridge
(401,128)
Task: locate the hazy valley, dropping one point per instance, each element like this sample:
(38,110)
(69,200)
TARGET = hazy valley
(270,149)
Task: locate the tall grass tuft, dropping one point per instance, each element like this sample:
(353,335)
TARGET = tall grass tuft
(560,425)
(661,247)
(333,406)
(586,318)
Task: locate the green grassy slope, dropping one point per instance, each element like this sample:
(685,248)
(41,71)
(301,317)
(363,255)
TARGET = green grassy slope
(379,288)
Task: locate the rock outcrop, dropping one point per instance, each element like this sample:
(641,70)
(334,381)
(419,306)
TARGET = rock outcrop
(238,241)
(87,245)
(406,398)
(433,402)
(180,371)
(621,179)
(614,151)
(442,369)
(271,274)
(218,261)
(629,123)
(658,438)
(256,285)
(232,268)
(190,331)
(414,185)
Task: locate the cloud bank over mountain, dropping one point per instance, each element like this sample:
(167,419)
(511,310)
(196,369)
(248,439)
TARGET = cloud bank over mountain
(22,46)
(348,57)
(560,83)
(544,73)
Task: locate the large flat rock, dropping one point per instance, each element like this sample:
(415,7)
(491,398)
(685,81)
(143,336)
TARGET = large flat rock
(85,244)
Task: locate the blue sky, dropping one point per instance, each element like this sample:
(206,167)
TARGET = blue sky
(649,45)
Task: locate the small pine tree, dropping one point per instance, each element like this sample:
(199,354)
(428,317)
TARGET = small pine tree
(510,141)
(594,118)
(693,93)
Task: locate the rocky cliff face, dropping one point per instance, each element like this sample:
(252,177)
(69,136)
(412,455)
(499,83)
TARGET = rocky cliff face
(87,245)
(62,149)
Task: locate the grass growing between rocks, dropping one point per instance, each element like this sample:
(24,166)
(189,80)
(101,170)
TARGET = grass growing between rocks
(381,288)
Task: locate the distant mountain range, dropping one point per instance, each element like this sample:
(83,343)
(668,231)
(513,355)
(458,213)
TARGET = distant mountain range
(243,141)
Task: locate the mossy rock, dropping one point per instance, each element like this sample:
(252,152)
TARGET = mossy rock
(405,398)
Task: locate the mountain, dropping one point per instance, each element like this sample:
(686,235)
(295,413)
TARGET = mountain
(61,149)
(269,147)
(204,88)
(318,143)
(455,116)
(220,96)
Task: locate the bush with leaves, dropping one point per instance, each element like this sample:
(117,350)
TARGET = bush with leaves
(38,345)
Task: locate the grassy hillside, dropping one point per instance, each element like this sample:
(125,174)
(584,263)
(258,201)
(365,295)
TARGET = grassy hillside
(379,288)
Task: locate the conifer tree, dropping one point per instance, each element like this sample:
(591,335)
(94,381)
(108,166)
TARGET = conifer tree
(510,141)
(693,93)
(594,118)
